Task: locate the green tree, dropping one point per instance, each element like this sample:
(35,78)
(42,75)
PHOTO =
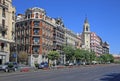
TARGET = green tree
(99,59)
(85,54)
(23,56)
(111,58)
(78,54)
(69,52)
(53,55)
(92,56)
(107,58)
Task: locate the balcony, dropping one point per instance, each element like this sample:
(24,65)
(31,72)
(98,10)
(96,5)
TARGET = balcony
(4,5)
(3,49)
(36,43)
(4,38)
(35,51)
(36,35)
(3,28)
(36,26)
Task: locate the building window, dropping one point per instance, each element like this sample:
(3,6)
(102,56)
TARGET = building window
(3,22)
(36,49)
(36,40)
(3,33)
(13,16)
(36,23)
(36,15)
(36,32)
(86,28)
(2,46)
(3,12)
(28,16)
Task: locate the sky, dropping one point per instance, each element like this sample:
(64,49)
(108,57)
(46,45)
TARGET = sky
(103,16)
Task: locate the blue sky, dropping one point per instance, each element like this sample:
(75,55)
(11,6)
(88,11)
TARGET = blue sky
(103,16)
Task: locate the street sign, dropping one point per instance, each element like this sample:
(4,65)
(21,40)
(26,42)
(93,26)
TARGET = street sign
(14,55)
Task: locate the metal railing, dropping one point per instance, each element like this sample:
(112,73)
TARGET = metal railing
(3,27)
(4,4)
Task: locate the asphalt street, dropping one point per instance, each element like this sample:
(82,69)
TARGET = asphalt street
(110,72)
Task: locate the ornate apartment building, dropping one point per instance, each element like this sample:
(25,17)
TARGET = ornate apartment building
(59,38)
(96,44)
(37,34)
(105,48)
(72,39)
(7,22)
(34,34)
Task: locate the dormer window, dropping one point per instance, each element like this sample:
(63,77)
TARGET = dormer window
(36,15)
(28,16)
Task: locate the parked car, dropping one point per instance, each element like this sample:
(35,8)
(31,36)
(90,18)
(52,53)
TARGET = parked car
(43,65)
(9,66)
(69,64)
(94,62)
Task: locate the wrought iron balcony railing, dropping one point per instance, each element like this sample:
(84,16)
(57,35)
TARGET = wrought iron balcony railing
(3,27)
(4,5)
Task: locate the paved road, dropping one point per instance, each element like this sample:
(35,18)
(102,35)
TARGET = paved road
(92,73)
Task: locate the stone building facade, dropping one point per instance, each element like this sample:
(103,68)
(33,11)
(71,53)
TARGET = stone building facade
(7,22)
(34,34)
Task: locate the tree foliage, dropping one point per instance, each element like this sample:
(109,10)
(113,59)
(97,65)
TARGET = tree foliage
(69,52)
(85,55)
(23,56)
(53,55)
(107,58)
(78,54)
(92,56)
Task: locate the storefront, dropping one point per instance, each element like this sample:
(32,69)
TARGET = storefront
(4,57)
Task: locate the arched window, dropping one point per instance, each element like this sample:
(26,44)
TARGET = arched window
(86,28)
(36,15)
(28,16)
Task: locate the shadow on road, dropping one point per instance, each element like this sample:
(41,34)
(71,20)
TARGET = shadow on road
(111,77)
